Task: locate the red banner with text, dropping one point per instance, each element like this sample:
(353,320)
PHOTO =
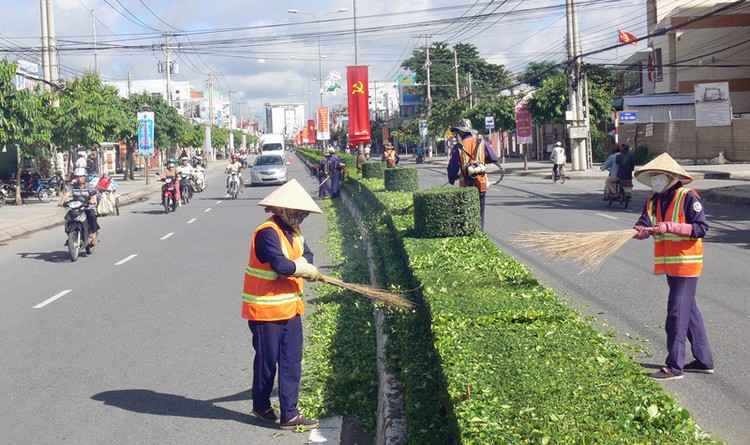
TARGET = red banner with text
(359,110)
(323,128)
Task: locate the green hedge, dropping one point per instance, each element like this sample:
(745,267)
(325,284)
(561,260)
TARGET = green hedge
(401,179)
(444,211)
(373,170)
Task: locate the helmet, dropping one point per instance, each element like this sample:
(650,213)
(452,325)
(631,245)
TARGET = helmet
(558,143)
(80,171)
(184,158)
(331,150)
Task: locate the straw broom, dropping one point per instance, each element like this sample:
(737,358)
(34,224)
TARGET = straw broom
(390,299)
(587,249)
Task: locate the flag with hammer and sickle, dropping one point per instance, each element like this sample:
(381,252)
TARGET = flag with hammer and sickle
(358,98)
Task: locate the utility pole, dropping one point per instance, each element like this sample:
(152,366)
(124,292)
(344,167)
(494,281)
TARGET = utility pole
(455,68)
(210,85)
(242,127)
(168,68)
(49,43)
(427,67)
(470,84)
(130,84)
(375,85)
(93,25)
(356,44)
(231,121)
(577,121)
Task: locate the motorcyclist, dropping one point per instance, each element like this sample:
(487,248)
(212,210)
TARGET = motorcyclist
(186,169)
(199,168)
(612,165)
(171,171)
(80,190)
(236,167)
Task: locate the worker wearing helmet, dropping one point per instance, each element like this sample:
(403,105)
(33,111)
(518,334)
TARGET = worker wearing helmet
(235,166)
(81,190)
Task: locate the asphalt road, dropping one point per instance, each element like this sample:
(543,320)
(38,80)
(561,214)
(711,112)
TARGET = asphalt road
(141,342)
(626,297)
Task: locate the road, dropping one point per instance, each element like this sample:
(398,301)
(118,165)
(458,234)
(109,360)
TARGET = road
(141,342)
(626,297)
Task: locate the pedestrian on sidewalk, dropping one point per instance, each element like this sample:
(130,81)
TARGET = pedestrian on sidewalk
(675,217)
(468,161)
(280,261)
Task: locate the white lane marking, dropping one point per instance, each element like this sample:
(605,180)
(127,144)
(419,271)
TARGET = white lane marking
(607,216)
(50,300)
(218,202)
(207,210)
(167,235)
(192,220)
(126,259)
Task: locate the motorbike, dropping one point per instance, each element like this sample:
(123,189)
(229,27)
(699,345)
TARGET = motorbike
(186,191)
(57,183)
(624,194)
(36,186)
(168,195)
(200,180)
(234,185)
(77,229)
(420,158)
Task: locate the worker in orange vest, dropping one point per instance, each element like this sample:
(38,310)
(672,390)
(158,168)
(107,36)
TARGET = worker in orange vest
(390,156)
(280,261)
(674,215)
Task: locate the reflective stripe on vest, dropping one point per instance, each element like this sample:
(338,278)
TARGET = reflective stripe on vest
(675,255)
(469,154)
(268,296)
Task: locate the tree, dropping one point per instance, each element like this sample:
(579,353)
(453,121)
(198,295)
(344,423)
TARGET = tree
(445,114)
(536,72)
(501,107)
(550,100)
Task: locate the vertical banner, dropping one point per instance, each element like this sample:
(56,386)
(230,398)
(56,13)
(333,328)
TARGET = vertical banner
(146,133)
(359,110)
(523,123)
(323,128)
(311,131)
(386,136)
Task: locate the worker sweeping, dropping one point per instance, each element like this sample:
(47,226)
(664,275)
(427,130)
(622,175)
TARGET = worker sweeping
(280,261)
(675,217)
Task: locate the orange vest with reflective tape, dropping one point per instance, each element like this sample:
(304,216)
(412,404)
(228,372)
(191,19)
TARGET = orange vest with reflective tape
(469,154)
(266,295)
(390,158)
(675,255)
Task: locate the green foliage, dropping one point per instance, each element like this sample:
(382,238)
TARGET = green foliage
(408,133)
(536,72)
(501,107)
(445,114)
(601,145)
(550,101)
(373,169)
(442,212)
(401,179)
(641,155)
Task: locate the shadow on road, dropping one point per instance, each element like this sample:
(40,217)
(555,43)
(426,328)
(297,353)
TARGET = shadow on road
(151,402)
(60,256)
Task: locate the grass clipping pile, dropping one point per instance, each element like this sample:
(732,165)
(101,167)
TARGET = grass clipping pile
(390,299)
(588,250)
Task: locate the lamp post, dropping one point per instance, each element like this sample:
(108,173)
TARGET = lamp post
(320,58)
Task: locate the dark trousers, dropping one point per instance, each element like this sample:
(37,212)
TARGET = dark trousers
(277,343)
(685,322)
(481,208)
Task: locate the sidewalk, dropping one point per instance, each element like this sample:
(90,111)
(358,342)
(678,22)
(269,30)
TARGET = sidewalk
(735,194)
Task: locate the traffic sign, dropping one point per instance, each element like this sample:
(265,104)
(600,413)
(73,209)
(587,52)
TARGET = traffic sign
(627,116)
(489,122)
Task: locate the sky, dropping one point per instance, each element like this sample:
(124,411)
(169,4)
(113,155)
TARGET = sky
(262,53)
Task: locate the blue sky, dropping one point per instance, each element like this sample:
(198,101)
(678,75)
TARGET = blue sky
(264,53)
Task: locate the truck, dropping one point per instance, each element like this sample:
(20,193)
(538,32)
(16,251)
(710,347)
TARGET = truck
(272,143)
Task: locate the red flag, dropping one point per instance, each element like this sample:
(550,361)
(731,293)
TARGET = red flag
(311,131)
(626,37)
(359,110)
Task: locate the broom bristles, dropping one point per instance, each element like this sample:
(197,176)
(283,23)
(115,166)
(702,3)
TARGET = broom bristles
(390,299)
(587,249)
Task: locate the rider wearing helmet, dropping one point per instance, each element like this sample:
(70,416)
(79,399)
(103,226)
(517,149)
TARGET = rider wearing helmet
(188,171)
(80,190)
(235,166)
(171,171)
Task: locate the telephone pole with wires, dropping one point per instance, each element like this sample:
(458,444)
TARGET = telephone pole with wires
(577,116)
(169,67)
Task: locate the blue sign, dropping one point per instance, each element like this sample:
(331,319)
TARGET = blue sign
(627,116)
(146,133)
(489,122)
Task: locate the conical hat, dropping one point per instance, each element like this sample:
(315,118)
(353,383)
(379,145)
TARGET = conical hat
(291,196)
(665,164)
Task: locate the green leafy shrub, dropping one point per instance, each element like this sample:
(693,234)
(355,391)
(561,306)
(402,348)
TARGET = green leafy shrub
(401,179)
(373,170)
(641,155)
(601,145)
(444,212)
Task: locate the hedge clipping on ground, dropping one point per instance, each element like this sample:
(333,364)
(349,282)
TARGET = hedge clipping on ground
(444,212)
(373,170)
(401,179)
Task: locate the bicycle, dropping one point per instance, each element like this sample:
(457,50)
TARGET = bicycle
(561,176)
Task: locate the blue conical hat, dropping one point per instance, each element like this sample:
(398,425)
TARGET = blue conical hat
(291,196)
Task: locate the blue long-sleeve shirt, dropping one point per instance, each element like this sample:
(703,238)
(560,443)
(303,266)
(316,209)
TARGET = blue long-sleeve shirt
(268,248)
(692,207)
(454,164)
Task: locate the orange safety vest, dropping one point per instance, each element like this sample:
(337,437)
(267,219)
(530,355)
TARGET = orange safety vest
(390,158)
(469,154)
(675,255)
(266,296)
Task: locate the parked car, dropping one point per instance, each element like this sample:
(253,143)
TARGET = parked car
(268,169)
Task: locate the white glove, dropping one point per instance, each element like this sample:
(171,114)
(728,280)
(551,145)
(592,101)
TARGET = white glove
(305,270)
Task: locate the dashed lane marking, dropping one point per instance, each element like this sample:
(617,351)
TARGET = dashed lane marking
(126,259)
(207,210)
(167,235)
(218,202)
(53,298)
(192,221)
(607,216)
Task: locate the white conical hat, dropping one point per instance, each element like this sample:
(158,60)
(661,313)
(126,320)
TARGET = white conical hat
(291,196)
(665,164)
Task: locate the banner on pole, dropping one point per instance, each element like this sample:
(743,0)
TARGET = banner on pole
(523,123)
(146,133)
(311,131)
(323,128)
(358,98)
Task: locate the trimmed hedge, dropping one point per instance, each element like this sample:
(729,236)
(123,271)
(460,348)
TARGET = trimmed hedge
(401,179)
(373,170)
(442,212)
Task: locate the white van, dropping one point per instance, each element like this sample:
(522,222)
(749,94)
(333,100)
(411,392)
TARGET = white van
(272,143)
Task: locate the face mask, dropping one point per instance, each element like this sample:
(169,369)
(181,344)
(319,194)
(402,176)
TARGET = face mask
(294,217)
(660,182)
